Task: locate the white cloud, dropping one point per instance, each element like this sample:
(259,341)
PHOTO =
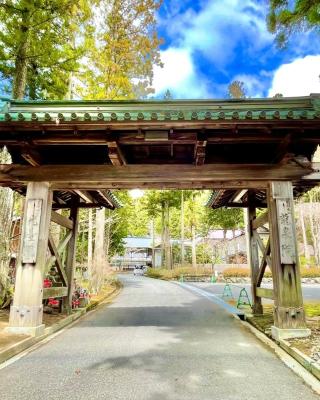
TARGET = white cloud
(220,27)
(299,78)
(178,75)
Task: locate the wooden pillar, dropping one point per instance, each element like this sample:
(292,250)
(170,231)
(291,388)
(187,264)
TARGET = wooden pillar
(289,317)
(26,311)
(253,256)
(71,256)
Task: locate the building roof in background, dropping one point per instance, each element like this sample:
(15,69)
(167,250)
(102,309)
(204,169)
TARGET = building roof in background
(229,234)
(138,242)
(146,242)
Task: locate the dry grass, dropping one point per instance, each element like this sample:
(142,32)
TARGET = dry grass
(235,272)
(174,274)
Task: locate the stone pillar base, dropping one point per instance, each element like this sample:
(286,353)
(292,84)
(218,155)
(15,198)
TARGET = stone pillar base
(26,330)
(279,334)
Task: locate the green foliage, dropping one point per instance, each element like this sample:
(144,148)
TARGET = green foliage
(286,17)
(39,45)
(221,218)
(123,50)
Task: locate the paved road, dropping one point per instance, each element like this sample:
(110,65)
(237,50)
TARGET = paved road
(311,292)
(157,341)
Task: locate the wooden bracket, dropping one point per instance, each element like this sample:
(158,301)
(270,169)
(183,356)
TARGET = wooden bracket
(115,154)
(61,220)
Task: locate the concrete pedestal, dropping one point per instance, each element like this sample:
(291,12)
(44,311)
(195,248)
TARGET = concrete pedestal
(26,330)
(278,333)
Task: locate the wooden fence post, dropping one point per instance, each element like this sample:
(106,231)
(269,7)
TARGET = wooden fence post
(27,310)
(289,317)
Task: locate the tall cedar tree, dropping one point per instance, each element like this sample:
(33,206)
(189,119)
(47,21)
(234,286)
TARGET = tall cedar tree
(286,17)
(38,50)
(123,51)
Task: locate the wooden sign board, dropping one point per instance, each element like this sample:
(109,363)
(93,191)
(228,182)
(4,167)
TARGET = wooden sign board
(31,231)
(286,232)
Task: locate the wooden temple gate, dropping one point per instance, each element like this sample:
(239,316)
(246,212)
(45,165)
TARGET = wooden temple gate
(251,153)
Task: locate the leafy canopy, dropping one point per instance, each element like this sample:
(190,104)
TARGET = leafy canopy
(40,46)
(288,16)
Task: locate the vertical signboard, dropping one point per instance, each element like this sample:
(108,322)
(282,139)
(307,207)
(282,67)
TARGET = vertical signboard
(31,231)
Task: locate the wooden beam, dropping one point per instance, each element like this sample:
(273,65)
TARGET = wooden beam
(265,293)
(105,198)
(259,241)
(115,154)
(61,220)
(138,174)
(260,221)
(281,154)
(60,249)
(31,155)
(84,195)
(265,260)
(81,205)
(200,148)
(55,292)
(57,260)
(246,205)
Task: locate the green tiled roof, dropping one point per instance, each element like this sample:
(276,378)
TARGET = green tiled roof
(298,108)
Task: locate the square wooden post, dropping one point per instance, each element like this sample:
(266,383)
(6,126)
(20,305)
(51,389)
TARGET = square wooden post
(71,256)
(253,256)
(289,317)
(26,311)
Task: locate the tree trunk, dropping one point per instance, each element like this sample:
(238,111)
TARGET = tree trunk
(167,246)
(162,234)
(21,60)
(304,236)
(90,230)
(182,228)
(99,254)
(193,246)
(153,243)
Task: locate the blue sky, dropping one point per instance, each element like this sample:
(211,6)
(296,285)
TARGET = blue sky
(208,44)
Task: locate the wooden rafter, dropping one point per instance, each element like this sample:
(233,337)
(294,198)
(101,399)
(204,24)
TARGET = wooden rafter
(84,195)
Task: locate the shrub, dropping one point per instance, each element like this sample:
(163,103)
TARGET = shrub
(245,273)
(313,272)
(169,274)
(154,273)
(235,272)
